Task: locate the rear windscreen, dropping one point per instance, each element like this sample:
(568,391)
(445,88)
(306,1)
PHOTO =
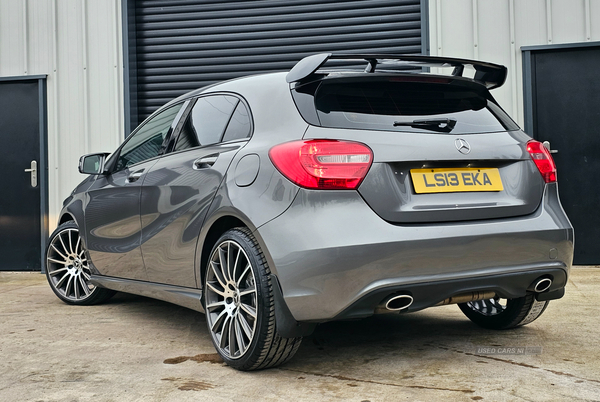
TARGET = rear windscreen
(396,105)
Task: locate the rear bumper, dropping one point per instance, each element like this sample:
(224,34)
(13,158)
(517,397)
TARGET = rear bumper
(330,251)
(508,286)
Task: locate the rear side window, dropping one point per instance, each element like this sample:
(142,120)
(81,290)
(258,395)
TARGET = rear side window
(214,119)
(239,125)
(397,105)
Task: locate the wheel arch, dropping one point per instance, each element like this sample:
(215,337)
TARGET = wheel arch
(65,217)
(73,211)
(217,224)
(214,229)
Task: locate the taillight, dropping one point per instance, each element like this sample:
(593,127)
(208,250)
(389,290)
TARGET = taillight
(323,164)
(543,160)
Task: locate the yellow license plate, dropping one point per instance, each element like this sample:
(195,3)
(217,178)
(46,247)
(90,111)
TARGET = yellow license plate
(456,180)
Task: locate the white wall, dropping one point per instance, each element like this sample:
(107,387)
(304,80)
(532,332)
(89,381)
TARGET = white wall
(495,31)
(77,43)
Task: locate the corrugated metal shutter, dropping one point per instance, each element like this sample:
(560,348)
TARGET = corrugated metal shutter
(181,45)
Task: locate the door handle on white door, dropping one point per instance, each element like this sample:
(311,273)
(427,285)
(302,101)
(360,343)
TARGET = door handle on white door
(33,171)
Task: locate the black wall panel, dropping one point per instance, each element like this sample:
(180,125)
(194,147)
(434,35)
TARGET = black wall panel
(563,99)
(180,45)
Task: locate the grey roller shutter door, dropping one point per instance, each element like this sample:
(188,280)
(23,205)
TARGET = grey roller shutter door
(181,45)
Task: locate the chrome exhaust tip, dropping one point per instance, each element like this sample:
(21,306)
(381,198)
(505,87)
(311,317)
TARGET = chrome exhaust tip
(540,285)
(398,303)
(394,304)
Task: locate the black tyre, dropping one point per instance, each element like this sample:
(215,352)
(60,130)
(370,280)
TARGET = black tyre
(504,313)
(67,268)
(239,304)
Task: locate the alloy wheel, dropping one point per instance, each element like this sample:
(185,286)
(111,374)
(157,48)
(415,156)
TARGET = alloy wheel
(231,299)
(488,307)
(67,265)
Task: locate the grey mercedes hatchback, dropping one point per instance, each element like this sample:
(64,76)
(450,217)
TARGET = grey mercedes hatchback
(276,202)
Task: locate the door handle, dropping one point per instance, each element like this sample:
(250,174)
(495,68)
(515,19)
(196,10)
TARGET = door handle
(135,176)
(33,171)
(205,161)
(547,145)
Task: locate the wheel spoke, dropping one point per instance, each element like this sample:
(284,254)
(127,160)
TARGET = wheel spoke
(61,280)
(57,271)
(214,289)
(76,287)
(57,261)
(228,256)
(245,326)
(86,275)
(59,253)
(232,340)
(239,336)
(63,244)
(237,257)
(69,284)
(225,332)
(247,291)
(248,309)
(223,265)
(77,245)
(246,270)
(70,242)
(216,272)
(215,305)
(218,324)
(84,286)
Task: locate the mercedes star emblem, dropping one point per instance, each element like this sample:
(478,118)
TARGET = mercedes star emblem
(462,146)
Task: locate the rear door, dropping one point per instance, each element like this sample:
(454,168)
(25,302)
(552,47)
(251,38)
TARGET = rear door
(112,214)
(443,149)
(179,189)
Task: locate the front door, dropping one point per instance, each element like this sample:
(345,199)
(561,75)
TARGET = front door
(21,126)
(112,214)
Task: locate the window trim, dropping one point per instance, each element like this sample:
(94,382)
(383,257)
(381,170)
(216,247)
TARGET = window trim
(111,164)
(193,102)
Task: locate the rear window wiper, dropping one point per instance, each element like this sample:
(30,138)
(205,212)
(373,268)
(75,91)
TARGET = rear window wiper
(437,125)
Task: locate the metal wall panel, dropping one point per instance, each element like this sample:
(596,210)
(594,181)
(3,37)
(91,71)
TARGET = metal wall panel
(185,44)
(76,43)
(496,30)
(559,103)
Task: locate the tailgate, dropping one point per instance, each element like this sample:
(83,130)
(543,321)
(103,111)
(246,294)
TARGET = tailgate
(420,177)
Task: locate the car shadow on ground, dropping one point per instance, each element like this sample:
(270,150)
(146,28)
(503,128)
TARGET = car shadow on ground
(412,338)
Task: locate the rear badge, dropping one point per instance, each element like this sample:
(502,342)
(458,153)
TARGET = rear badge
(462,146)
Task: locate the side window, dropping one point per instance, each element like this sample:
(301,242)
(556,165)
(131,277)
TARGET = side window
(239,125)
(147,142)
(207,121)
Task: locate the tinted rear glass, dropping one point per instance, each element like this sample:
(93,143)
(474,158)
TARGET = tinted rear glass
(394,105)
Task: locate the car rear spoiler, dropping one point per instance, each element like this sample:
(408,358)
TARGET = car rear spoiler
(488,74)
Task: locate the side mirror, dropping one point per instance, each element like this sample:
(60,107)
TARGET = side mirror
(92,163)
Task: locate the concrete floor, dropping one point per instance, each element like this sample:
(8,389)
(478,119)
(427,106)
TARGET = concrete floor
(139,349)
